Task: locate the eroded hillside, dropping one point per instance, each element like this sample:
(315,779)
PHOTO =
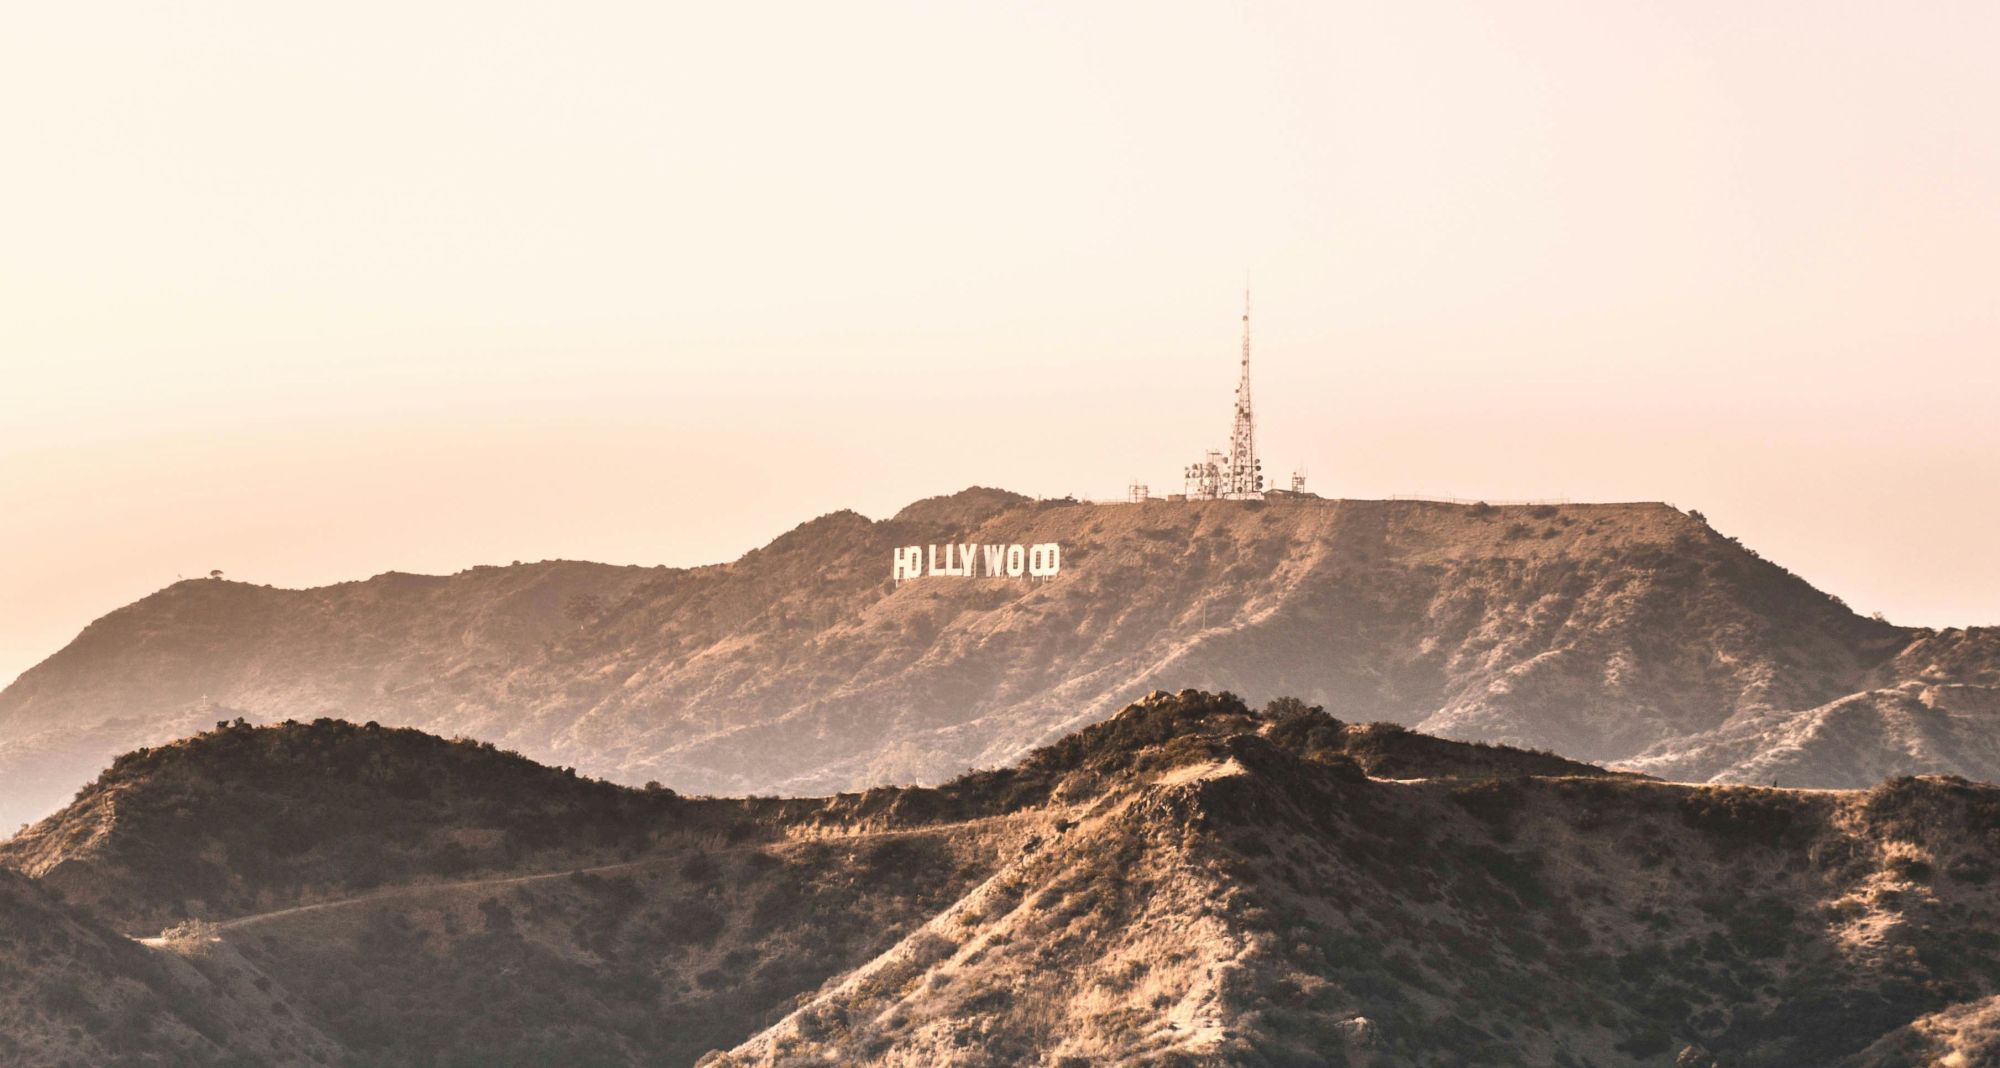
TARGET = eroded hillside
(1260,901)
(1187,882)
(74,992)
(1612,633)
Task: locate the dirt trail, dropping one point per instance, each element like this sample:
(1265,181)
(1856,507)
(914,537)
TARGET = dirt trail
(490,882)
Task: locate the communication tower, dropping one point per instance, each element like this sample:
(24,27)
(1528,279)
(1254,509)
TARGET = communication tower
(1235,475)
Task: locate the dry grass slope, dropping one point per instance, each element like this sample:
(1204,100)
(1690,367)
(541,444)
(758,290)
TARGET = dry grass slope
(1188,882)
(1612,633)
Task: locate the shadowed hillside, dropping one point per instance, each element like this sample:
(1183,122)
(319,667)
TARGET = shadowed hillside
(175,662)
(1187,882)
(240,819)
(1256,901)
(1614,633)
(73,992)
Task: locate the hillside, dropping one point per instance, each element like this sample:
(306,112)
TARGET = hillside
(1621,633)
(1257,901)
(1935,706)
(201,650)
(429,901)
(73,992)
(1185,882)
(240,819)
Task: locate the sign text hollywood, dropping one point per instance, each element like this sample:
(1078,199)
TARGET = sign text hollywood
(973,561)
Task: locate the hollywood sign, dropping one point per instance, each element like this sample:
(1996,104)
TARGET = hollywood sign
(972,561)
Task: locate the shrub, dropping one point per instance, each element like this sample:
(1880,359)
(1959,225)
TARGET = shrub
(193,938)
(1493,800)
(1738,818)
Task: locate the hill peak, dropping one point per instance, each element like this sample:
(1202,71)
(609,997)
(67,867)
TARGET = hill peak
(965,509)
(1611,633)
(1188,880)
(299,808)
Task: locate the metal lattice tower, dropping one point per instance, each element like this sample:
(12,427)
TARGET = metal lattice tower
(1244,479)
(1235,475)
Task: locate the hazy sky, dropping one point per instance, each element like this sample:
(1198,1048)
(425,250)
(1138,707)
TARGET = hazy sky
(311,292)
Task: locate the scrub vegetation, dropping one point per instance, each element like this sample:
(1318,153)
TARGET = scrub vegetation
(1189,882)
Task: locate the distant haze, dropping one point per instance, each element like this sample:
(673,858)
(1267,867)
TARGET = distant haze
(310,293)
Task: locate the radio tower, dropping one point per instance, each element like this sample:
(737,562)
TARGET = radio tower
(1244,481)
(1236,475)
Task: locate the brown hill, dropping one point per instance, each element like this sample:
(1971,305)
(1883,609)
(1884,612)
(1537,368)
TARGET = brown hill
(432,902)
(241,819)
(1963,1036)
(1611,633)
(72,992)
(1186,882)
(1934,707)
(171,664)
(1247,906)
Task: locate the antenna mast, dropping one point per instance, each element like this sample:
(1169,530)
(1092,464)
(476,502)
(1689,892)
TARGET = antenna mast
(1245,479)
(1235,475)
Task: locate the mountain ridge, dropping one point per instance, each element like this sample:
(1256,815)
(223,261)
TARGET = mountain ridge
(1625,633)
(1187,881)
